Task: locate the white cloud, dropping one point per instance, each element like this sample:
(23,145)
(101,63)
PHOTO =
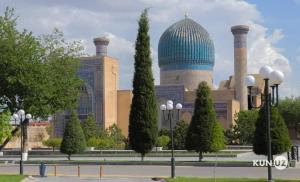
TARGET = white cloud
(118,20)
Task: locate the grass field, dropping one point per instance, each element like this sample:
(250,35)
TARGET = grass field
(11,178)
(181,179)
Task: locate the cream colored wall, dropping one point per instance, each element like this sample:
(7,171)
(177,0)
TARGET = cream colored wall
(36,134)
(110,87)
(124,105)
(189,78)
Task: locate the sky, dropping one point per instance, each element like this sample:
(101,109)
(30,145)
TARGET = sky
(273,38)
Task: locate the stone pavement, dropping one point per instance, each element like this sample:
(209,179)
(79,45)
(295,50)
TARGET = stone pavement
(83,179)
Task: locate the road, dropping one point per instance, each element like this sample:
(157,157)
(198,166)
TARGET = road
(146,172)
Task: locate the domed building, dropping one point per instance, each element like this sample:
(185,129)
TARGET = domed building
(186,55)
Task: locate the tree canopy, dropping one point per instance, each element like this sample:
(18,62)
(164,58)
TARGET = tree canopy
(37,74)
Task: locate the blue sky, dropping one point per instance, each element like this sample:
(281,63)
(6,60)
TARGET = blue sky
(273,37)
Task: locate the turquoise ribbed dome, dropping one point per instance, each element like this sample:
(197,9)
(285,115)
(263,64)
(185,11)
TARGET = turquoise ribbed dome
(186,45)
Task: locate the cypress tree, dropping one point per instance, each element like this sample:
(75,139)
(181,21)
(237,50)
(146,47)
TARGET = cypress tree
(90,128)
(143,115)
(73,140)
(280,140)
(204,133)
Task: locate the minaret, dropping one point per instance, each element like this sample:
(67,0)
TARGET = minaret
(240,63)
(101,46)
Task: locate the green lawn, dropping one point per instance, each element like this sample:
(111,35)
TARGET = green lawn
(181,179)
(11,178)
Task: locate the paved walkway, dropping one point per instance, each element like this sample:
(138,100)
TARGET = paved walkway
(76,179)
(147,172)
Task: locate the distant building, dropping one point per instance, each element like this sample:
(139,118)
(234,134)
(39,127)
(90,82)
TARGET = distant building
(186,57)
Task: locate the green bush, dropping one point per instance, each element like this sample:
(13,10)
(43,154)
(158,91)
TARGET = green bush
(105,143)
(74,140)
(52,142)
(163,141)
(92,142)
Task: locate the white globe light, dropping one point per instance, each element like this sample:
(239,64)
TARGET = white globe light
(169,106)
(178,106)
(16,116)
(21,112)
(265,72)
(28,116)
(277,77)
(163,107)
(250,81)
(169,102)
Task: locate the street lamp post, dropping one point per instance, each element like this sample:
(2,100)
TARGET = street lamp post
(168,117)
(20,115)
(273,79)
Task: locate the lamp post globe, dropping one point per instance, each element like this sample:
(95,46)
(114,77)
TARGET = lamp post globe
(28,116)
(178,106)
(276,77)
(265,72)
(170,106)
(163,107)
(15,116)
(250,81)
(170,102)
(21,112)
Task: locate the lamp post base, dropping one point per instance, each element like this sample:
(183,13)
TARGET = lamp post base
(24,156)
(172,167)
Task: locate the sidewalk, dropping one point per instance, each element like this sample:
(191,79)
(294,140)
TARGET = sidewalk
(83,179)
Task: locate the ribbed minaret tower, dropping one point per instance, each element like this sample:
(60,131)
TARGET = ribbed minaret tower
(101,46)
(240,63)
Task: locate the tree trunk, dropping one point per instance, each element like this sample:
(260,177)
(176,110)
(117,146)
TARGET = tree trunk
(69,157)
(53,149)
(142,157)
(200,156)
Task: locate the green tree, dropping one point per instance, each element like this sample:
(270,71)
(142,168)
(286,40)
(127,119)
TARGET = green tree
(180,133)
(204,130)
(52,142)
(38,74)
(143,114)
(280,140)
(73,139)
(90,128)
(5,126)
